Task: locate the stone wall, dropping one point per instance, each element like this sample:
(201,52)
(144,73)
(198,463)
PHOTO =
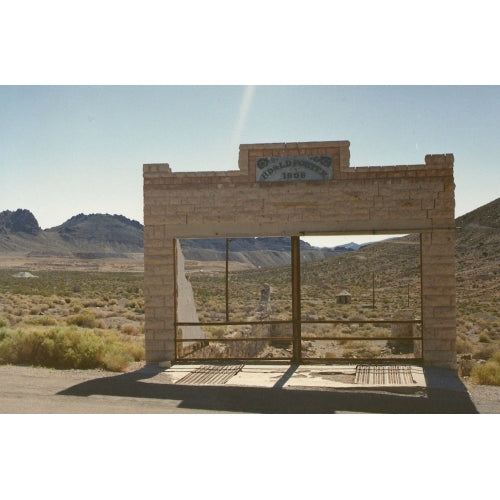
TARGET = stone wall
(374,200)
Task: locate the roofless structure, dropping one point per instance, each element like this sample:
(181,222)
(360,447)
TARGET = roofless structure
(297,189)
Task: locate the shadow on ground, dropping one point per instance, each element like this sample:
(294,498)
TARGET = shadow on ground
(439,398)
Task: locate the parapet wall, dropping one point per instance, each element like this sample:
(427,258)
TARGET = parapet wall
(377,199)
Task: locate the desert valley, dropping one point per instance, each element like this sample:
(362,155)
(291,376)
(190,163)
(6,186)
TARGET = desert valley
(80,285)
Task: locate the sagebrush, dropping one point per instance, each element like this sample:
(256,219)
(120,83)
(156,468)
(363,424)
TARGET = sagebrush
(68,347)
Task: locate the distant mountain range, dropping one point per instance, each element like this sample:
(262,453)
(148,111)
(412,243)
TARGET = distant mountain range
(102,235)
(82,236)
(97,236)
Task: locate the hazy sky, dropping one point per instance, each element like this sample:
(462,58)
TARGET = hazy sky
(71,149)
(75,149)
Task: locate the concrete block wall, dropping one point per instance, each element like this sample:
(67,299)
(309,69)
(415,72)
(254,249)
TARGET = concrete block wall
(375,199)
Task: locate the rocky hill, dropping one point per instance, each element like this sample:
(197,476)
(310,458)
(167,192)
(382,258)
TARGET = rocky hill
(478,239)
(103,235)
(20,221)
(259,252)
(99,235)
(82,236)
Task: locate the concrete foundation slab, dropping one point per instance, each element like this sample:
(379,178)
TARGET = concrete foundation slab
(280,375)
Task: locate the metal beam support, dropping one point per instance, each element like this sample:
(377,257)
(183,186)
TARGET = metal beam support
(296,309)
(227,280)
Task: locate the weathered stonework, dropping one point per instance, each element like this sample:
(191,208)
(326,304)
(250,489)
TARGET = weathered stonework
(374,200)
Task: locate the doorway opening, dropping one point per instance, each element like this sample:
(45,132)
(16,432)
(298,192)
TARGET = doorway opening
(281,299)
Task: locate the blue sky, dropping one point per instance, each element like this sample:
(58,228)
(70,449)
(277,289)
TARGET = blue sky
(71,149)
(89,93)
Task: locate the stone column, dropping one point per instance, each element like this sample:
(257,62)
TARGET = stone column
(159,288)
(438,298)
(159,299)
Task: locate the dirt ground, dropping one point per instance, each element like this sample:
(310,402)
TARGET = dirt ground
(486,398)
(19,261)
(38,390)
(144,390)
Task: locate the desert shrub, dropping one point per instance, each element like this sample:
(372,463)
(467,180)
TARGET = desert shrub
(484,337)
(68,347)
(115,358)
(93,303)
(487,373)
(218,332)
(463,345)
(47,320)
(84,319)
(483,352)
(3,333)
(136,350)
(56,348)
(128,329)
(4,322)
(56,301)
(76,308)
(355,348)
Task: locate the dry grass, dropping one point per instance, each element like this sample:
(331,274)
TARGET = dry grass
(113,302)
(68,347)
(72,319)
(395,266)
(487,373)
(397,286)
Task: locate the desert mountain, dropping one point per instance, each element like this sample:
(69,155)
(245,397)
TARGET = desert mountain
(20,221)
(104,235)
(260,252)
(83,236)
(477,244)
(100,234)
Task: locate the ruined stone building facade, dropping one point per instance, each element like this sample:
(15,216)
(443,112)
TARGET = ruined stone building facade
(290,189)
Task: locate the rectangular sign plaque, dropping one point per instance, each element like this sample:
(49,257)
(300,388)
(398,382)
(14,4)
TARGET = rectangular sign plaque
(294,168)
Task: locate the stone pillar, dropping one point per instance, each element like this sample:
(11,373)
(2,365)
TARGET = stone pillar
(159,288)
(438,298)
(159,300)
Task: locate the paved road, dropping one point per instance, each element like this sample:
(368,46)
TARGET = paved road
(39,390)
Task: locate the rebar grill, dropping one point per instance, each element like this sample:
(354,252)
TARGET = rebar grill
(211,374)
(383,375)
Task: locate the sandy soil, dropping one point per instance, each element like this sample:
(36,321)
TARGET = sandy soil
(135,263)
(27,389)
(485,397)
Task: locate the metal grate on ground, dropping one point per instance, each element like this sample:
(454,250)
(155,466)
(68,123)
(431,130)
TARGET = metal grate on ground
(383,375)
(211,374)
